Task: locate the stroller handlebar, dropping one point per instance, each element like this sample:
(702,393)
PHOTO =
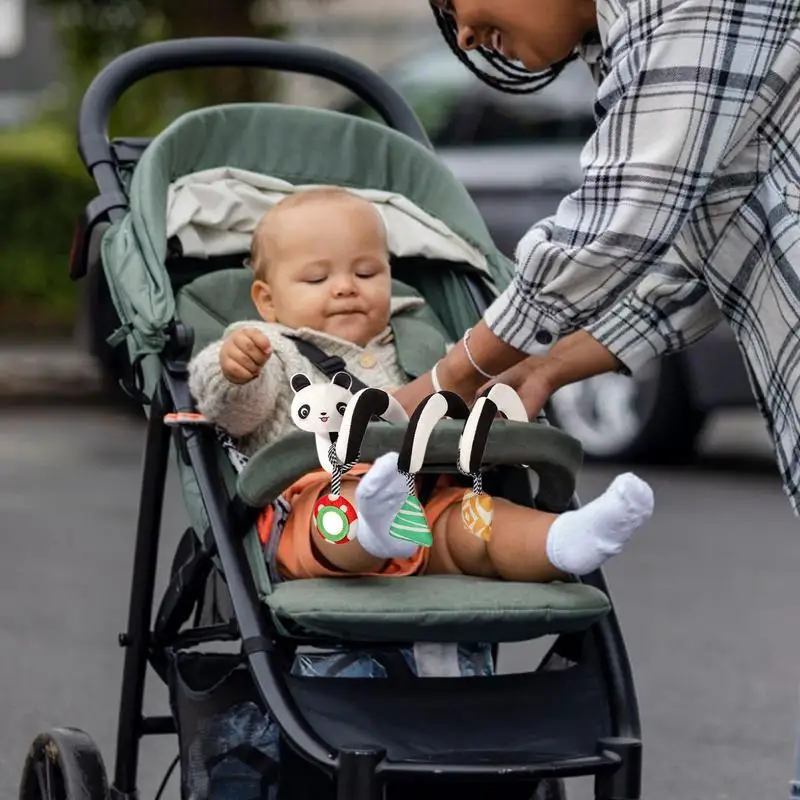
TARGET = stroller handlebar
(552,454)
(177,54)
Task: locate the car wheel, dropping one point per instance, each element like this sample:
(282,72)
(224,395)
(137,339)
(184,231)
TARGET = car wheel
(649,417)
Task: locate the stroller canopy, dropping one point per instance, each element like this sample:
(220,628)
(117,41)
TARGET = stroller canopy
(208,177)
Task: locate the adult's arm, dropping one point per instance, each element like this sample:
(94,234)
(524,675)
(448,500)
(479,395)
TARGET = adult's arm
(664,313)
(667,311)
(676,97)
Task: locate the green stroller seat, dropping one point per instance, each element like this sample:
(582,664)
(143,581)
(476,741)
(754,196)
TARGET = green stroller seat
(429,608)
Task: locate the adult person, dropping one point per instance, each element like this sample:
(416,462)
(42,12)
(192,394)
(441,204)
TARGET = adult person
(689,209)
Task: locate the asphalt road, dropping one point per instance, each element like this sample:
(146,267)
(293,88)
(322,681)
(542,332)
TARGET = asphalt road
(706,594)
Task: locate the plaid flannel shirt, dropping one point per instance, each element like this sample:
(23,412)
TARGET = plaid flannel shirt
(689,209)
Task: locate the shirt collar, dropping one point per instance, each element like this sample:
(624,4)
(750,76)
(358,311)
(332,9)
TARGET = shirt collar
(593,50)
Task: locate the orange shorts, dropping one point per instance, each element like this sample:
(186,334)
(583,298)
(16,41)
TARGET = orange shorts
(296,556)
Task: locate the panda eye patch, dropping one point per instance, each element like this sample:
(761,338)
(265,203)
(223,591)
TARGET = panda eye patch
(341,408)
(304,411)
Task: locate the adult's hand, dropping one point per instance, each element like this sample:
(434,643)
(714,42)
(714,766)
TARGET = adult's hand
(575,358)
(531,381)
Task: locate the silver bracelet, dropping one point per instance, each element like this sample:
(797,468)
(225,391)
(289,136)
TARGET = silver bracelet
(471,359)
(437,387)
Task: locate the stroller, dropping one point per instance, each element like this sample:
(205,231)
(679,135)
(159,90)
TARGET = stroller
(228,630)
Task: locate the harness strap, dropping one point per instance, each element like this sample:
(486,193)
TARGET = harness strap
(327,365)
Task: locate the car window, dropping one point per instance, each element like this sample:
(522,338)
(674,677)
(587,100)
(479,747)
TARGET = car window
(437,107)
(561,112)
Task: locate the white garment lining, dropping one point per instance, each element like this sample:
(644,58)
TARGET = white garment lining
(214,212)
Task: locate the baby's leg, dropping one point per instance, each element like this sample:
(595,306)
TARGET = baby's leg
(530,545)
(377,497)
(348,557)
(516,550)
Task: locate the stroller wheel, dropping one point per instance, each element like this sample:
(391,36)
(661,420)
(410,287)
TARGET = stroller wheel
(63,764)
(550,790)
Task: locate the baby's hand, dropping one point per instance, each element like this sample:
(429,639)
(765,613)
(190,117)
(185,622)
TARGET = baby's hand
(243,355)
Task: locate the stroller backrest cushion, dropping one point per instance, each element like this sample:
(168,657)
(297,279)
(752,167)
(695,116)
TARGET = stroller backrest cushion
(212,302)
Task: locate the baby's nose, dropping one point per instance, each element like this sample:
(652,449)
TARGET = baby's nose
(345,286)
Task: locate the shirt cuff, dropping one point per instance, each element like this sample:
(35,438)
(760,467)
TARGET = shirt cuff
(517,322)
(627,332)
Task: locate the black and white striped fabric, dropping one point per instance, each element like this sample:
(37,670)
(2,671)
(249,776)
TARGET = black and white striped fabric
(237,458)
(689,211)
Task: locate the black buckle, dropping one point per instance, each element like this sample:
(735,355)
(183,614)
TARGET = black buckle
(332,364)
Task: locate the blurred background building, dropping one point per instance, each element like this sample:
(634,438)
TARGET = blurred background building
(29,59)
(376,33)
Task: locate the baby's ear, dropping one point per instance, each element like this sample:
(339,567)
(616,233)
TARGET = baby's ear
(299,381)
(342,379)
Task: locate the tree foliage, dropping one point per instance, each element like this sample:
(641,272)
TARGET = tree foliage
(92,32)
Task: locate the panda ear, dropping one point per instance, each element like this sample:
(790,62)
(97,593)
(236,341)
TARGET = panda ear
(342,379)
(299,381)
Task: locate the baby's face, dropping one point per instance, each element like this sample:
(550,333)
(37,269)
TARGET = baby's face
(328,270)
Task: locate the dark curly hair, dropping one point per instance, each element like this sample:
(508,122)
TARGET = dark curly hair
(511,78)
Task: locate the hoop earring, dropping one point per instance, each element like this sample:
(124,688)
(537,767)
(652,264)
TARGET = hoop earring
(410,523)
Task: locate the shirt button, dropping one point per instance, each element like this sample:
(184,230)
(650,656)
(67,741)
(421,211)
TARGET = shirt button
(367,361)
(543,337)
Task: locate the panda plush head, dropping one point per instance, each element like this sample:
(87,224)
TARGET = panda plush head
(319,407)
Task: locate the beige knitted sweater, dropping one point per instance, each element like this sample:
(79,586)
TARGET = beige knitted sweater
(257,413)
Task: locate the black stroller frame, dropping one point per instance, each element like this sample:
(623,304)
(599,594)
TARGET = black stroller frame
(359,772)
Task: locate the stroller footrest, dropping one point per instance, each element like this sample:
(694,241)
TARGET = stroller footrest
(497,763)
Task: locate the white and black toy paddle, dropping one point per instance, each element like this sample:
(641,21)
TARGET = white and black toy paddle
(477,507)
(319,408)
(410,523)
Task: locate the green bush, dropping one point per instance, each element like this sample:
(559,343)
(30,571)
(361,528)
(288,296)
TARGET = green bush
(43,190)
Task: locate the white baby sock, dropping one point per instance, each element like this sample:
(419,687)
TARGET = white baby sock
(580,541)
(379,496)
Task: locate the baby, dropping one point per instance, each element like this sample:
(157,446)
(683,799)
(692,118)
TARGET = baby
(321,273)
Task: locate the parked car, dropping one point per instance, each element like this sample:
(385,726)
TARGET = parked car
(518,156)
